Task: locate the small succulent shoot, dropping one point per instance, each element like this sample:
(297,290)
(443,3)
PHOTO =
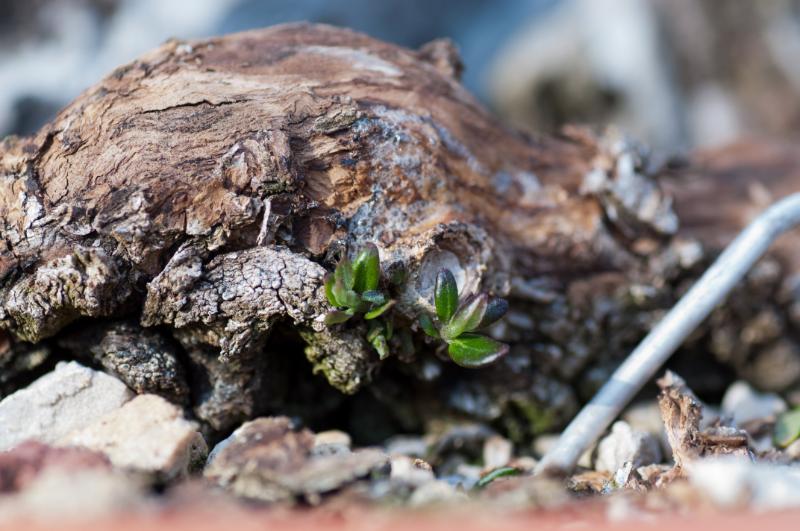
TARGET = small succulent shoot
(354,288)
(787,428)
(378,334)
(456,322)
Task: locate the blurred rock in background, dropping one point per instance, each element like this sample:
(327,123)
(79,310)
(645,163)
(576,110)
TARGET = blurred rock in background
(50,50)
(677,74)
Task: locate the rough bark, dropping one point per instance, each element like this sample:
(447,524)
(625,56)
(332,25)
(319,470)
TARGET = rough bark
(683,414)
(756,331)
(205,189)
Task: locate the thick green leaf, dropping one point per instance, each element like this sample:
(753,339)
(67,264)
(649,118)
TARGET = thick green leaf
(787,428)
(344,273)
(345,297)
(495,309)
(374,297)
(377,337)
(445,295)
(329,281)
(336,317)
(427,325)
(502,472)
(467,318)
(338,290)
(474,350)
(380,310)
(367,269)
(380,344)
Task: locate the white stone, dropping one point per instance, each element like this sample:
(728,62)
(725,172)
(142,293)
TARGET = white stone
(410,471)
(645,416)
(436,493)
(73,495)
(68,398)
(497,452)
(148,434)
(625,445)
(733,482)
(743,404)
(331,442)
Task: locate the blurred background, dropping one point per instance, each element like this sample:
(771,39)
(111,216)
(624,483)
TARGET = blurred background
(678,74)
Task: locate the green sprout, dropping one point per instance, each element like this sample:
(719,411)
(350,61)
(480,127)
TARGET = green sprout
(353,288)
(787,428)
(456,323)
(497,473)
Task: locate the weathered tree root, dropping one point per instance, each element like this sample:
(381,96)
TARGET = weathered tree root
(205,188)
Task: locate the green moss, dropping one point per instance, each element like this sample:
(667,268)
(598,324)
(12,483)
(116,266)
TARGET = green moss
(526,417)
(343,357)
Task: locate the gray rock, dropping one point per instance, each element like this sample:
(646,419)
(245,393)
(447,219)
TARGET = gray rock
(331,442)
(21,465)
(409,471)
(436,493)
(268,459)
(497,452)
(147,434)
(321,474)
(60,402)
(744,404)
(736,482)
(646,416)
(406,445)
(74,495)
(625,445)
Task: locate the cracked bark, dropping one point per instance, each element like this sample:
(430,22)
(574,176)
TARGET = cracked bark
(203,190)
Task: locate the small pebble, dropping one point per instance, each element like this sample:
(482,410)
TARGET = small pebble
(497,452)
(736,482)
(625,445)
(331,442)
(410,471)
(436,493)
(744,404)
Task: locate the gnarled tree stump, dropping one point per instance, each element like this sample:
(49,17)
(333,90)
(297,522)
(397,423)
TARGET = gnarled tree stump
(187,207)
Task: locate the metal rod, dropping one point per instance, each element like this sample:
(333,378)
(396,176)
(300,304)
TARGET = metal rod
(669,333)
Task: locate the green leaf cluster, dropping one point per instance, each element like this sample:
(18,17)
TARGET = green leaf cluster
(353,289)
(457,320)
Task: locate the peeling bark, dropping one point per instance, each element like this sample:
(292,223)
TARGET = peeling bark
(205,188)
(682,413)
